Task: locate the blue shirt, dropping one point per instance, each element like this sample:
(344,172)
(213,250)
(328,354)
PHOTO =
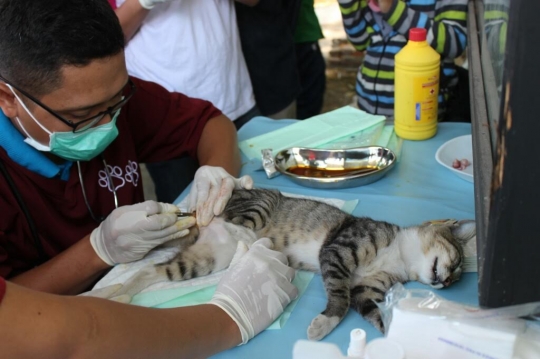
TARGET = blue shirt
(27,156)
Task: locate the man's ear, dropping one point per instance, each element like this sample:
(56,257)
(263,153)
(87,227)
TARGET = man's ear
(8,102)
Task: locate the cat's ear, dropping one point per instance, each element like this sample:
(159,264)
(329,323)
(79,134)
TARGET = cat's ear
(464,230)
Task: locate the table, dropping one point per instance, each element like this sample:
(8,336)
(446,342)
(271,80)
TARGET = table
(415,190)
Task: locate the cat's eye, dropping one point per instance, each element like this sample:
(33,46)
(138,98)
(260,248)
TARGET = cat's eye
(434,269)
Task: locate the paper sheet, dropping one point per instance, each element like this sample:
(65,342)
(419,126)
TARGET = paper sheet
(313,132)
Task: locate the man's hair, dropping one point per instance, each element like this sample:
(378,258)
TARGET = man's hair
(39,37)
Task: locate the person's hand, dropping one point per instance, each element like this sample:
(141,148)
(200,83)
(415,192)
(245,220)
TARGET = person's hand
(149,4)
(211,190)
(130,232)
(256,290)
(385,5)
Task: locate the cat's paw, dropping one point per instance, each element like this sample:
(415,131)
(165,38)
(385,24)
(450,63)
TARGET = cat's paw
(321,326)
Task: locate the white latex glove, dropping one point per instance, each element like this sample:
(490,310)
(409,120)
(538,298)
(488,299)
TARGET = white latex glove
(256,290)
(211,190)
(149,4)
(130,232)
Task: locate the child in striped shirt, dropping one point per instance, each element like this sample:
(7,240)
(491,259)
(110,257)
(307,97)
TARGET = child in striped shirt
(381,27)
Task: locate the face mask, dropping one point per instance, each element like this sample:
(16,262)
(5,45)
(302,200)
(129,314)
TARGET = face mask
(82,146)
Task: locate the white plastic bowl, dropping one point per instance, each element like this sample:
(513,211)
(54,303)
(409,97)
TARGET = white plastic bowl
(457,148)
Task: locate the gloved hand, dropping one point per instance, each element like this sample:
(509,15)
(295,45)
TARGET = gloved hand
(149,4)
(211,190)
(130,232)
(256,290)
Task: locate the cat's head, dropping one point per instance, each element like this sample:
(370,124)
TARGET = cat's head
(440,252)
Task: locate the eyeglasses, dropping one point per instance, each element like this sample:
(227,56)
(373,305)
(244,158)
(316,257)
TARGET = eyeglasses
(87,123)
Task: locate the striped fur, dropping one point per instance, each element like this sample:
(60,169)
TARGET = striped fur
(359,258)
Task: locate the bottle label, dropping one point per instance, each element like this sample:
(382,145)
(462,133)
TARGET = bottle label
(425,98)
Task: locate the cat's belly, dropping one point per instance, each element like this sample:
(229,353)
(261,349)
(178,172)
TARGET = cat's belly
(301,247)
(304,256)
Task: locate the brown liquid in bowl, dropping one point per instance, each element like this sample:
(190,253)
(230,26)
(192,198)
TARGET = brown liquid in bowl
(328,173)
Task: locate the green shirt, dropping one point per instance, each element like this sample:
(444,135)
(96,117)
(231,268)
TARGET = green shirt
(307,28)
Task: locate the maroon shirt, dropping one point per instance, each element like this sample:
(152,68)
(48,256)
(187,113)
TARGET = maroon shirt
(154,125)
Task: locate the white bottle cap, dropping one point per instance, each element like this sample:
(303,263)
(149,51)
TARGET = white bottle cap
(357,345)
(383,348)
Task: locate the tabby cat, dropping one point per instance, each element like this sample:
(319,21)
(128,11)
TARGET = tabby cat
(359,258)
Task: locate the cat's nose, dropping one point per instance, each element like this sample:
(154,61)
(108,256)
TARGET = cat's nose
(447,282)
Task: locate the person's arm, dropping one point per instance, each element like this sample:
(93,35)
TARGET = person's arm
(215,180)
(70,272)
(218,145)
(250,296)
(446,32)
(34,324)
(357,28)
(131,15)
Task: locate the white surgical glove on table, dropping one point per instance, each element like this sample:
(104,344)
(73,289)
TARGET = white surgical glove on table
(256,290)
(130,232)
(211,190)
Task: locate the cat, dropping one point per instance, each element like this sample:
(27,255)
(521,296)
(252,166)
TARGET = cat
(359,258)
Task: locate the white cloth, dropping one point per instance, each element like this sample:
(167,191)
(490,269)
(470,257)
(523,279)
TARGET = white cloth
(193,47)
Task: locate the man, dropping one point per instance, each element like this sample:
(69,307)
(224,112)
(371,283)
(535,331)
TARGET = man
(74,130)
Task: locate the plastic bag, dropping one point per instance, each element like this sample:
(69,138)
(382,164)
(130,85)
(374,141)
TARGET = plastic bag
(428,326)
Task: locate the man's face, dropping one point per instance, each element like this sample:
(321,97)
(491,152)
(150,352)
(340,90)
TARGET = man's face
(84,92)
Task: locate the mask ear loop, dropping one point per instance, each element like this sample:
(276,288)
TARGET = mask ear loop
(28,112)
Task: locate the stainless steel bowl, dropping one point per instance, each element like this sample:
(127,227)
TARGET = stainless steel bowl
(320,168)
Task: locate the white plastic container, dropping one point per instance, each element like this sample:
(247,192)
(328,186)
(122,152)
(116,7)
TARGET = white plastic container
(383,348)
(305,349)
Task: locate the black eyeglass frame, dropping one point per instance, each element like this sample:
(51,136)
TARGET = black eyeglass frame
(89,121)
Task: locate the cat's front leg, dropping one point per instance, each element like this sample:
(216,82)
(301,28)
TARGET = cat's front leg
(367,291)
(337,265)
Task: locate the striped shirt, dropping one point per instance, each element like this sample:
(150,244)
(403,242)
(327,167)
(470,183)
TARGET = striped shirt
(445,22)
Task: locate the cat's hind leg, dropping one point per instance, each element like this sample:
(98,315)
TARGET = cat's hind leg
(367,291)
(337,265)
(141,280)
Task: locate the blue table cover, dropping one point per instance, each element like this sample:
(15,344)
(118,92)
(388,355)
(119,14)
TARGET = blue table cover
(415,190)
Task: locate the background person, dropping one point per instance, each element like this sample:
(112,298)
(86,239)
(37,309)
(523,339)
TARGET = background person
(198,54)
(381,28)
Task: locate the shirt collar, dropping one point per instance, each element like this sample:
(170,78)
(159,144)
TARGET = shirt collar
(12,141)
